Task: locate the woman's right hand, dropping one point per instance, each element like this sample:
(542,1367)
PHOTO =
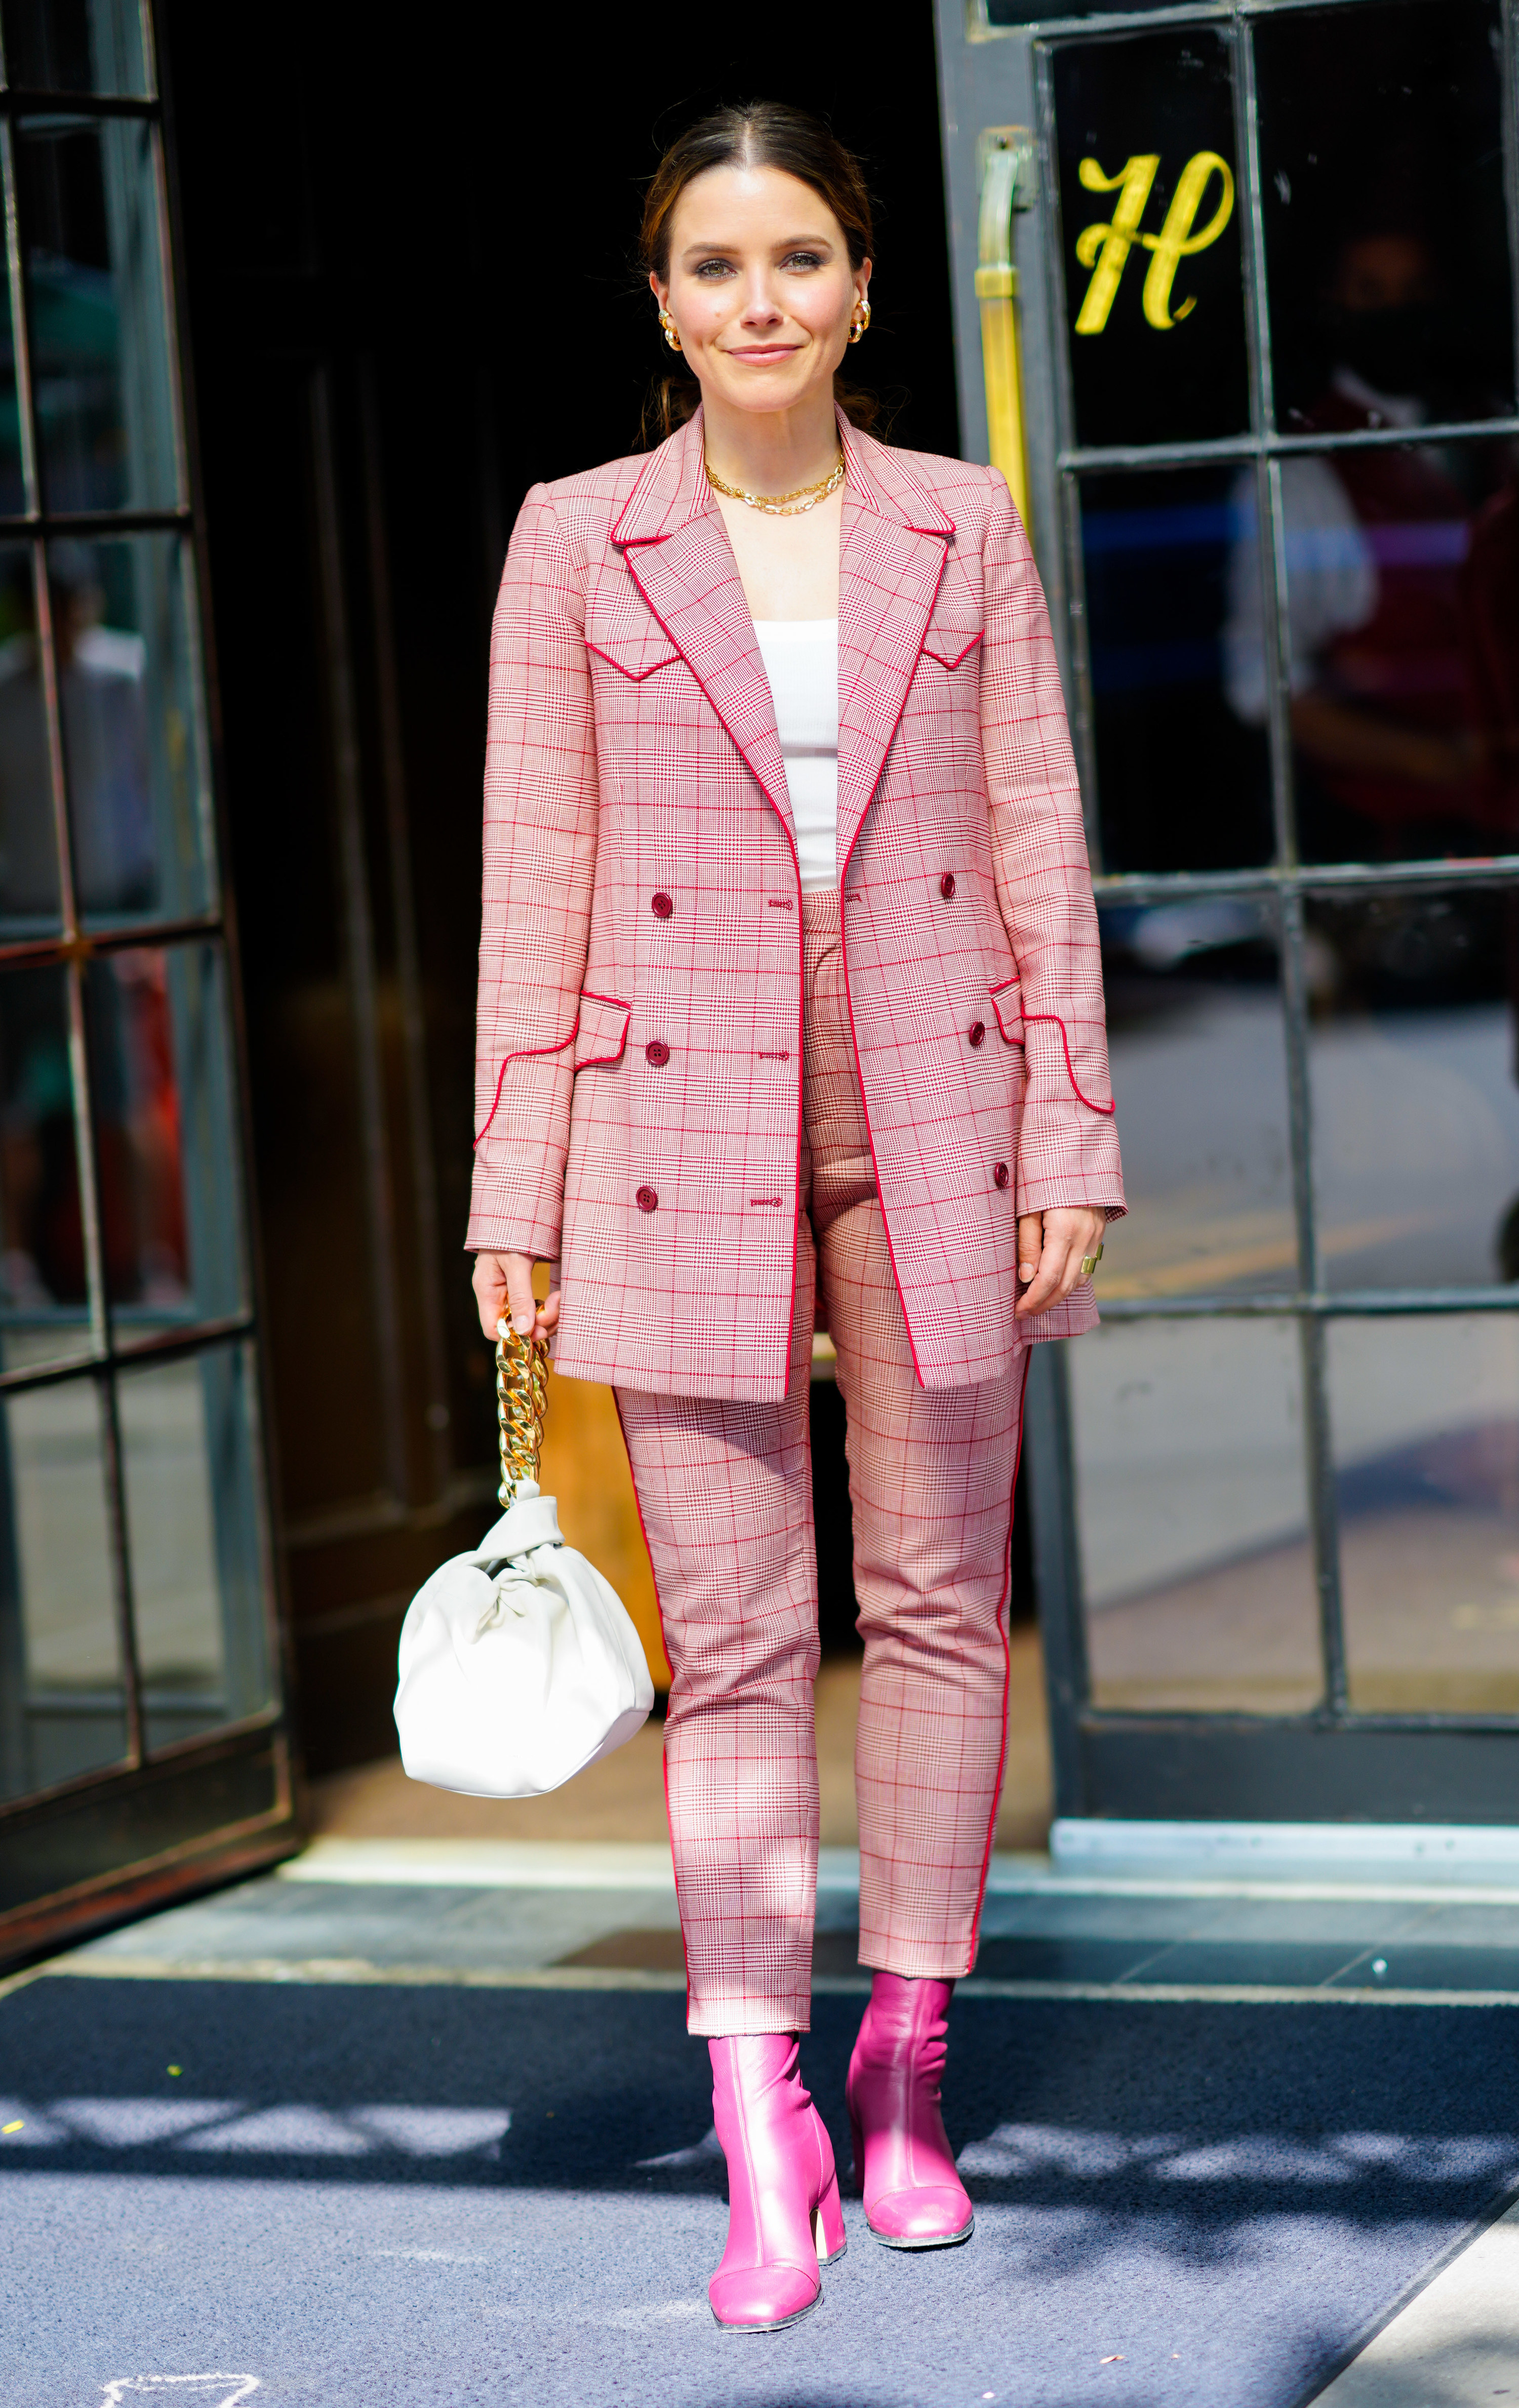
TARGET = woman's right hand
(503,1285)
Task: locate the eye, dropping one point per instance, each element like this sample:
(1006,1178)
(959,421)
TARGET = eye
(803,259)
(712,268)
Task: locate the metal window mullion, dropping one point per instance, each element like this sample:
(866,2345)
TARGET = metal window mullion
(1083,726)
(116,1516)
(1210,451)
(20,334)
(1252,249)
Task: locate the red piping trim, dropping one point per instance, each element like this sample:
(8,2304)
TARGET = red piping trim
(525,1053)
(849,999)
(1005,1627)
(801,943)
(663,1761)
(1028,1018)
(944,659)
(635,677)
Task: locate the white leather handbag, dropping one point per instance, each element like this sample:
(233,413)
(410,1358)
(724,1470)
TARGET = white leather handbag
(519,1664)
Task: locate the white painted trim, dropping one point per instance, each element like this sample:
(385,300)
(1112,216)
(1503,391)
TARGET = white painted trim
(1082,1840)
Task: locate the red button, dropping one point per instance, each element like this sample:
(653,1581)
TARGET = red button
(977,1032)
(645,1201)
(657,1052)
(661,906)
(946,886)
(1001,1173)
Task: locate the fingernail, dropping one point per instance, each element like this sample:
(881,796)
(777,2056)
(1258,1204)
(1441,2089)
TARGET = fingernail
(1025,1271)
(521,1322)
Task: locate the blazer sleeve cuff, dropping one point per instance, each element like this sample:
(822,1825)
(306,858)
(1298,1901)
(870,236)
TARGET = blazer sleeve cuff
(1070,1194)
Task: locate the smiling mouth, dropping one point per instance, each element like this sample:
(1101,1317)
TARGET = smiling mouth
(763,350)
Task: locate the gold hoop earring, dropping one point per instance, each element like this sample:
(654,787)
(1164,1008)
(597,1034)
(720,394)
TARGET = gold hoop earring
(667,322)
(858,325)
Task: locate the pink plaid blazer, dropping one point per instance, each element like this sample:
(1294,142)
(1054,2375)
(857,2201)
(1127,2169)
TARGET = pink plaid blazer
(640,998)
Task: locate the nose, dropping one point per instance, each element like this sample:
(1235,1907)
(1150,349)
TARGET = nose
(761,307)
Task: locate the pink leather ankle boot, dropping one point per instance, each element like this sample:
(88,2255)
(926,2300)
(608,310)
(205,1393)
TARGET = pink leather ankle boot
(784,2220)
(913,2198)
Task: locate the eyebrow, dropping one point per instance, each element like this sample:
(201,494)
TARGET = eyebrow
(794,242)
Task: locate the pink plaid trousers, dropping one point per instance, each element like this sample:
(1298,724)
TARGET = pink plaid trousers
(725,1491)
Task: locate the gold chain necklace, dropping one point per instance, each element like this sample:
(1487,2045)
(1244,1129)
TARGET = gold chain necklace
(784,506)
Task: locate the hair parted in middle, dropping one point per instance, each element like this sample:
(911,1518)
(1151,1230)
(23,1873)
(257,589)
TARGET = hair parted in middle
(760,134)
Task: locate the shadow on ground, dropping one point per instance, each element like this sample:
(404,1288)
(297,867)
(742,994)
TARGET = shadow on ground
(398,2194)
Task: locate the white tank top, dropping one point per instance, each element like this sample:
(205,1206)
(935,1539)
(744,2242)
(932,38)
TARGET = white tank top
(801,661)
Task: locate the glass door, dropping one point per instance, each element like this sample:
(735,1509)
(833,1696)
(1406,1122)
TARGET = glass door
(141,1743)
(1265,258)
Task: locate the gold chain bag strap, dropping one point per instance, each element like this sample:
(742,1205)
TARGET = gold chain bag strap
(519,1665)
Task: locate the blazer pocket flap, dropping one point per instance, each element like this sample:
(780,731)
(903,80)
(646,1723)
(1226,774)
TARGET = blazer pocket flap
(949,644)
(637,651)
(602,1032)
(1007,1004)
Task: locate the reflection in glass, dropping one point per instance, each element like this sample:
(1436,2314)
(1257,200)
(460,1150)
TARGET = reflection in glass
(44,1291)
(197,1586)
(61,1698)
(76,46)
(1149,200)
(1183,781)
(100,359)
(1199,1070)
(126,690)
(1193,1518)
(158,1059)
(1403,635)
(12,488)
(1415,1107)
(1386,235)
(29,887)
(1425,1419)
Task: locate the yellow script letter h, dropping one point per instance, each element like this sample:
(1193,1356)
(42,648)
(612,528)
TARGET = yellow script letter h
(1106,248)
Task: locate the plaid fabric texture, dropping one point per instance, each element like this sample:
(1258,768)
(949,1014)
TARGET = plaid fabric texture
(639,1060)
(725,1490)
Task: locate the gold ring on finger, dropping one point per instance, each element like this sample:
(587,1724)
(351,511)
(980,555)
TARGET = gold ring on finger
(1089,1262)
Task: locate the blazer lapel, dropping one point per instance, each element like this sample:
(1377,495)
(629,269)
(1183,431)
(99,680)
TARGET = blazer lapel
(893,545)
(672,538)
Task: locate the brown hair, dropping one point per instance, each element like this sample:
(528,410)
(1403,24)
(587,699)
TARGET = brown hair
(763,134)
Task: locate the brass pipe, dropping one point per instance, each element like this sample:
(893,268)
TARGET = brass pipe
(1006,160)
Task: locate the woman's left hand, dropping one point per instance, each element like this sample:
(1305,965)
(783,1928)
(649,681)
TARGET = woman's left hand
(1051,1246)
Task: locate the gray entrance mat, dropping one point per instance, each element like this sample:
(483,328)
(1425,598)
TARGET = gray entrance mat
(439,2197)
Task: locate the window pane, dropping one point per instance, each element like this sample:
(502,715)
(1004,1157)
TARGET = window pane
(1416,1108)
(29,904)
(90,229)
(1183,781)
(76,46)
(1193,1518)
(1148,199)
(161,1071)
(1403,649)
(12,490)
(61,1698)
(140,821)
(1382,182)
(197,1592)
(44,1291)
(1425,1417)
(1199,1070)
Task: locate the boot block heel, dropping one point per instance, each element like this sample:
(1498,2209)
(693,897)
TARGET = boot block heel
(828,2225)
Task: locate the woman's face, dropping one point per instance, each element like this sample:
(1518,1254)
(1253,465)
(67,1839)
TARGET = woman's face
(760,287)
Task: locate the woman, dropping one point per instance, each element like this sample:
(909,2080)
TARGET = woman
(791,1007)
